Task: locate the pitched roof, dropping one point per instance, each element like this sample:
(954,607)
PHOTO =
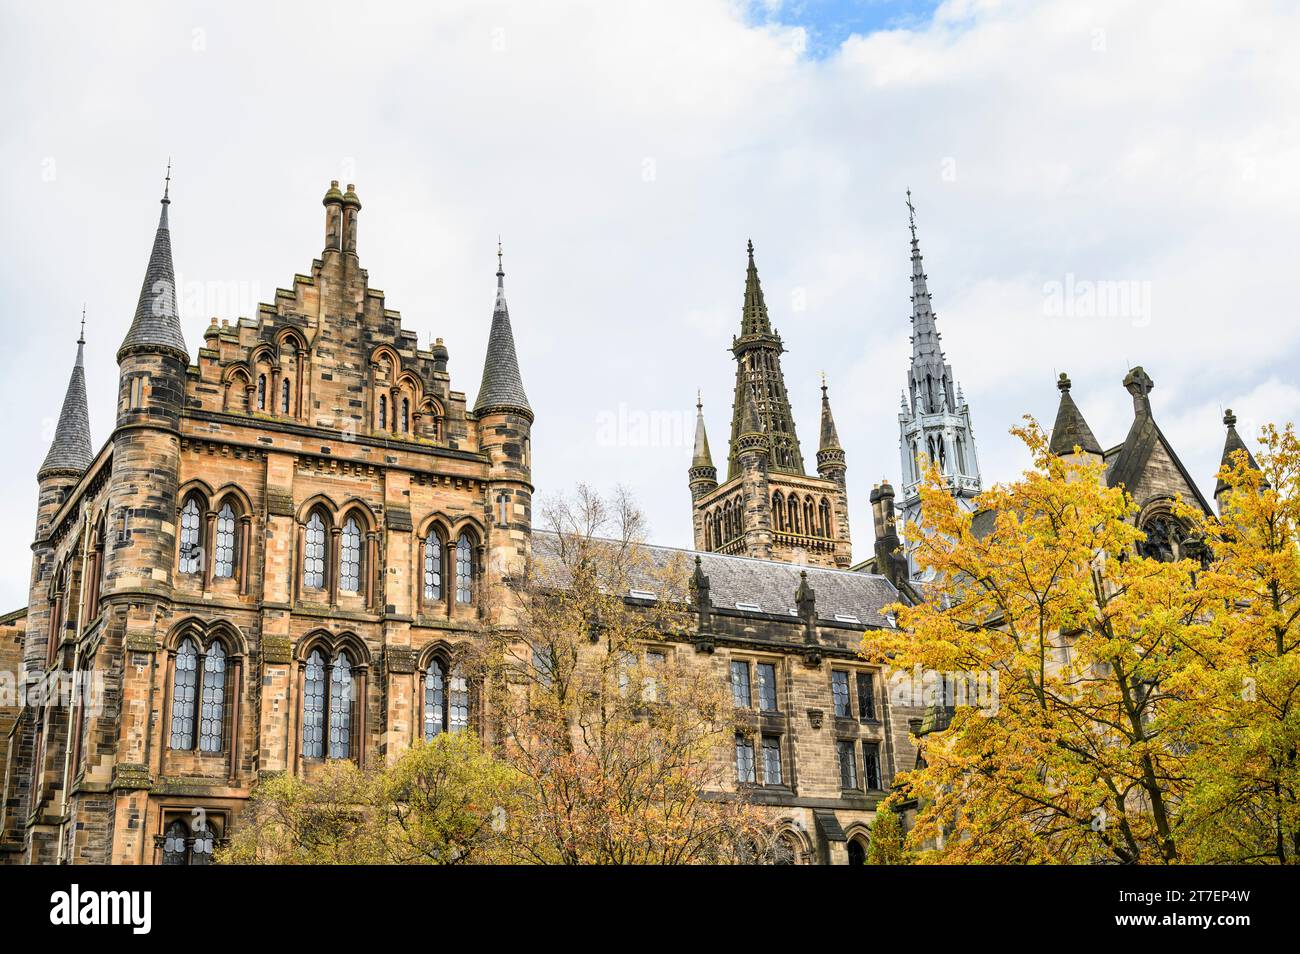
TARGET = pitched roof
(70,450)
(157,323)
(502,385)
(767,584)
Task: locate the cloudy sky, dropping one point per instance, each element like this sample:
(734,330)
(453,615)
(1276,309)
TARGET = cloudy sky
(626,152)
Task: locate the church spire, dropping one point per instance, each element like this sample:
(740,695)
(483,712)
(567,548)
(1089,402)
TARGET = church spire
(70,451)
(502,386)
(156,326)
(1070,429)
(754,320)
(930,379)
(830,440)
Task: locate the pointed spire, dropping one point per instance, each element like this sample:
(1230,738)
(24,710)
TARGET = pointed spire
(751,423)
(830,440)
(157,323)
(1070,428)
(70,451)
(1233,444)
(702,458)
(930,374)
(502,387)
(754,320)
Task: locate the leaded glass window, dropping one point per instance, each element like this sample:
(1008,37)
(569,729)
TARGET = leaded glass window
(224,552)
(848,764)
(432,567)
(341,707)
(771,760)
(464,570)
(261,392)
(871,764)
(767,687)
(201,849)
(383,411)
(350,557)
(744,759)
(284,396)
(174,843)
(655,662)
(213,711)
(840,691)
(191,537)
(458,702)
(406,416)
(185,678)
(313,706)
(740,696)
(435,701)
(866,697)
(313,562)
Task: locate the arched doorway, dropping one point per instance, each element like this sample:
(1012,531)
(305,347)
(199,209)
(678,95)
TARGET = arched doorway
(857,851)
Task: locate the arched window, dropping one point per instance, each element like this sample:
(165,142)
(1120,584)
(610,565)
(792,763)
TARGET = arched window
(458,701)
(794,514)
(778,510)
(223,553)
(313,706)
(179,847)
(284,396)
(176,843)
(313,555)
(406,416)
(191,559)
(327,702)
(383,411)
(435,700)
(185,681)
(809,517)
(826,529)
(464,569)
(340,706)
(432,567)
(261,392)
(350,557)
(1165,538)
(857,852)
(213,712)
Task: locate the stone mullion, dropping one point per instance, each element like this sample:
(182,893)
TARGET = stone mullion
(209,548)
(245,540)
(332,564)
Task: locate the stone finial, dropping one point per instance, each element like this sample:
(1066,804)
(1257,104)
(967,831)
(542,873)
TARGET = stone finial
(1063,383)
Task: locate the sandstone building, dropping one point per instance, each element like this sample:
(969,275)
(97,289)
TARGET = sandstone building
(275,556)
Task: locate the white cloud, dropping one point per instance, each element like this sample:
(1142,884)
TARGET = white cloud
(626,153)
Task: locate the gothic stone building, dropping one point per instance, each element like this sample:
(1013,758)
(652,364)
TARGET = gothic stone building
(276,555)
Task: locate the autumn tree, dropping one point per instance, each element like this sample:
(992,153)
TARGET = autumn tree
(620,742)
(887,845)
(1080,756)
(1246,805)
(445,801)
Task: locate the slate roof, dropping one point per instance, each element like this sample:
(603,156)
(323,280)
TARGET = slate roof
(1231,445)
(502,385)
(768,584)
(70,450)
(157,322)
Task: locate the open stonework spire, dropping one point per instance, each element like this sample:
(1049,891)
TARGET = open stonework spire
(502,387)
(934,421)
(156,326)
(70,451)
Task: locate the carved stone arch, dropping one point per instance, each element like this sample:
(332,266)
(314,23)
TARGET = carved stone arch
(439,649)
(262,354)
(434,520)
(475,528)
(790,833)
(229,635)
(857,842)
(319,502)
(235,495)
(195,486)
(194,627)
(356,507)
(294,335)
(386,353)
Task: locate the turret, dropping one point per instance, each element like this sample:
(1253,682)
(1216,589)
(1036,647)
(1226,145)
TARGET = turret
(702,474)
(152,364)
(1072,438)
(1231,446)
(505,421)
(831,466)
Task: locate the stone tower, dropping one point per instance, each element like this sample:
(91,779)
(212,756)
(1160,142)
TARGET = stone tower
(934,421)
(768,507)
(505,421)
